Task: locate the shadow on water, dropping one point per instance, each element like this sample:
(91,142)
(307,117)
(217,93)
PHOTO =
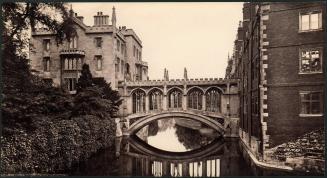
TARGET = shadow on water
(201,153)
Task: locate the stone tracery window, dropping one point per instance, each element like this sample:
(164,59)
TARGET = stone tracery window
(175,98)
(155,100)
(213,98)
(138,99)
(195,99)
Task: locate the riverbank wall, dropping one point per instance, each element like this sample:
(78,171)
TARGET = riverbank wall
(55,145)
(303,156)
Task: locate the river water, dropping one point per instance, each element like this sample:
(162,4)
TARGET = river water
(172,147)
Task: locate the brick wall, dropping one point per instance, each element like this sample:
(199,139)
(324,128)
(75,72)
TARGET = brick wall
(283,78)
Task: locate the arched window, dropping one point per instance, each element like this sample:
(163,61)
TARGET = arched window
(213,100)
(195,99)
(155,99)
(138,101)
(175,98)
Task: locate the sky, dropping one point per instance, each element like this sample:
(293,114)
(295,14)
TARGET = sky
(174,35)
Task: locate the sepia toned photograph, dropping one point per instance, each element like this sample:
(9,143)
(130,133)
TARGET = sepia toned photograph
(163,89)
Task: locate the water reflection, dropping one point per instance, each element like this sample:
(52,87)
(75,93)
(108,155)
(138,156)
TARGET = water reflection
(171,148)
(177,135)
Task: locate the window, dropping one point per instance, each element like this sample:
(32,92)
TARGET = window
(138,55)
(138,98)
(311,61)
(72,63)
(195,99)
(311,103)
(122,48)
(98,60)
(213,100)
(98,42)
(310,21)
(46,61)
(175,98)
(155,100)
(134,51)
(118,45)
(122,67)
(118,64)
(46,44)
(71,83)
(73,42)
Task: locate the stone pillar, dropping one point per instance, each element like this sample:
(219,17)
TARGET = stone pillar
(204,168)
(185,169)
(165,169)
(184,98)
(165,99)
(147,104)
(203,102)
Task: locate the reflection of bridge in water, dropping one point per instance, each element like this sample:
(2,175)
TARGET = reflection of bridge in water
(216,159)
(214,102)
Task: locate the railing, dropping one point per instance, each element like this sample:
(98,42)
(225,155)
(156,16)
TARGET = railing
(72,52)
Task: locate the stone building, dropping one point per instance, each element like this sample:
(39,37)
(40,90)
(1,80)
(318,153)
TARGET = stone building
(278,57)
(113,53)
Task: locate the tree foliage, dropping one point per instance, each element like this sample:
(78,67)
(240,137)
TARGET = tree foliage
(20,17)
(95,96)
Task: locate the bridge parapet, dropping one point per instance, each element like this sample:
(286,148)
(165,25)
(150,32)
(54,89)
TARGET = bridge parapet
(200,81)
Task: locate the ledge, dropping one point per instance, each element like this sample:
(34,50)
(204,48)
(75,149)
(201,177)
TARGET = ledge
(72,52)
(263,164)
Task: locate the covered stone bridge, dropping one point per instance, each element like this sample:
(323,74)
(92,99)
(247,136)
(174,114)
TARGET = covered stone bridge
(213,99)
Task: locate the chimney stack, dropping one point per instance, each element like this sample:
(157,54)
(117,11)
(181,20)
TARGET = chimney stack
(100,19)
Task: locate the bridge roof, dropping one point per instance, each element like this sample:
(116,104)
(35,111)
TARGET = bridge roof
(201,81)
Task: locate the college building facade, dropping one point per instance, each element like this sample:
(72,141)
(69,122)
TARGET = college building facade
(113,53)
(278,59)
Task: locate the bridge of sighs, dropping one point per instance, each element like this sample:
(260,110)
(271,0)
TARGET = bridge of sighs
(212,101)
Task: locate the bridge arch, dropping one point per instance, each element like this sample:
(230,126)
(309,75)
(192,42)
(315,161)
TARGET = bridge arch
(135,89)
(154,88)
(195,87)
(174,88)
(197,154)
(140,123)
(218,88)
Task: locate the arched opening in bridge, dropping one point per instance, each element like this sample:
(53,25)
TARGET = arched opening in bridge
(155,100)
(175,98)
(195,99)
(213,99)
(138,99)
